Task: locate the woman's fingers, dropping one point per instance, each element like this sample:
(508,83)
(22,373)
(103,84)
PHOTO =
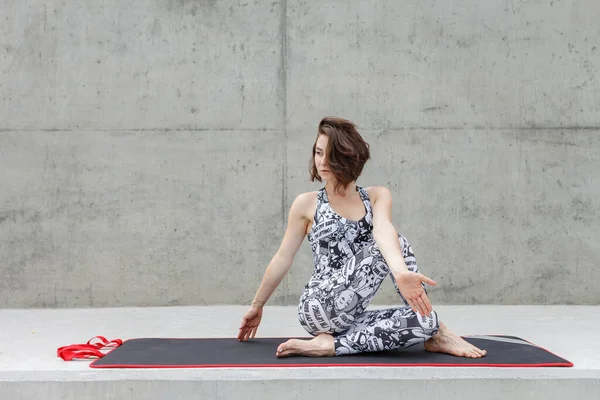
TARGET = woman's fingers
(250,332)
(423,307)
(411,287)
(419,306)
(427,280)
(427,303)
(249,326)
(409,303)
(242,331)
(245,330)
(412,305)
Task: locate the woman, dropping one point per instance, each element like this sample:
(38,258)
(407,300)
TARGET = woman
(355,246)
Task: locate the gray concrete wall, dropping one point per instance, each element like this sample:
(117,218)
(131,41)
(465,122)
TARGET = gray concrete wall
(150,150)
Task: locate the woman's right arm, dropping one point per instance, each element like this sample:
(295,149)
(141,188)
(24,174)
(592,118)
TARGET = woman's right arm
(282,260)
(279,265)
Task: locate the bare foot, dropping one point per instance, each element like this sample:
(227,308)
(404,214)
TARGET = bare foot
(447,342)
(321,345)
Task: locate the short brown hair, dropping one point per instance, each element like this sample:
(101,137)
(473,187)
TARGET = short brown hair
(346,152)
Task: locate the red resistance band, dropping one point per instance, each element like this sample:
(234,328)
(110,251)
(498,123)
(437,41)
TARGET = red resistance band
(89,350)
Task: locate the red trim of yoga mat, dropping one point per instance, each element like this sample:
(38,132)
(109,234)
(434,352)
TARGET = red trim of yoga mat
(325,365)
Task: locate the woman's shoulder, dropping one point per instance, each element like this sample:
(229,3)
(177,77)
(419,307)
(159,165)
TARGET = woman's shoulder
(377,192)
(307,196)
(305,203)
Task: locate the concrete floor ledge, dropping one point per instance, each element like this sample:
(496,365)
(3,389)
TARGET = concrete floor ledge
(29,368)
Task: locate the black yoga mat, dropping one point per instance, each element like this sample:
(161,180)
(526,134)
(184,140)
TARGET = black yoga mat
(502,351)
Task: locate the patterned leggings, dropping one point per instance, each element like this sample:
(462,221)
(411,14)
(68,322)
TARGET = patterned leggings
(336,303)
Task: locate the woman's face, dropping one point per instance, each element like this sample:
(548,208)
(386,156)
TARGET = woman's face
(320,161)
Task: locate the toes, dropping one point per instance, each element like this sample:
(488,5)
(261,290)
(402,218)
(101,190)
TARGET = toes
(476,352)
(479,352)
(281,348)
(286,349)
(472,352)
(283,352)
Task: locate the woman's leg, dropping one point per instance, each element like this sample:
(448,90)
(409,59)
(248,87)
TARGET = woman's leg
(395,328)
(444,341)
(330,304)
(336,305)
(389,329)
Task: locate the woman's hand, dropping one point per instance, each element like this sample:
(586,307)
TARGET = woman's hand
(250,323)
(410,285)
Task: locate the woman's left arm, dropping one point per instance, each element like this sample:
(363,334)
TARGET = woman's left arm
(386,237)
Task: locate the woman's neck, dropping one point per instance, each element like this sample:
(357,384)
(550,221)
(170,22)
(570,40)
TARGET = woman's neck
(342,191)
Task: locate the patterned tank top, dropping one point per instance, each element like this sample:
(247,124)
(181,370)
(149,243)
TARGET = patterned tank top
(333,238)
